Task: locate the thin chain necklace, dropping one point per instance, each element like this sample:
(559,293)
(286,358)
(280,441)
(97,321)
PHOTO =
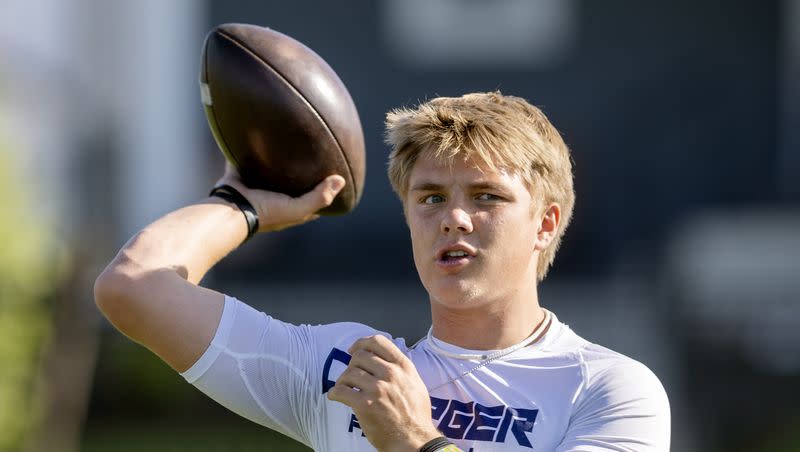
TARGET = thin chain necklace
(537,335)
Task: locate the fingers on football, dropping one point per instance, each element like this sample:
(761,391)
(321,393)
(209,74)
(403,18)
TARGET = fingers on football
(230,170)
(321,196)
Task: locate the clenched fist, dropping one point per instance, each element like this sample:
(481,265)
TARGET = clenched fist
(388,396)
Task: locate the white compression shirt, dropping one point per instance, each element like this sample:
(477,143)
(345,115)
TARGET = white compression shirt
(562,393)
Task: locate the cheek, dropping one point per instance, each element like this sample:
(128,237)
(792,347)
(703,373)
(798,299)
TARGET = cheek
(495,229)
(418,242)
(515,238)
(415,229)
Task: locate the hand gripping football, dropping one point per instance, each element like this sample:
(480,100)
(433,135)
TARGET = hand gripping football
(280,114)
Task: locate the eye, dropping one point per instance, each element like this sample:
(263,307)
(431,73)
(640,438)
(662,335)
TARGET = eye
(433,199)
(487,197)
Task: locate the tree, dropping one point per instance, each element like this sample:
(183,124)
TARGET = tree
(28,278)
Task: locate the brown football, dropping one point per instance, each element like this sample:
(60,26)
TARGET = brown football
(280,114)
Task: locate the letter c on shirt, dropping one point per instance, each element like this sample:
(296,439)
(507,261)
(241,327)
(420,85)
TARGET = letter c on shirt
(334,355)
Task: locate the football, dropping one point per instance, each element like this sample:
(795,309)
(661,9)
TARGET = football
(280,114)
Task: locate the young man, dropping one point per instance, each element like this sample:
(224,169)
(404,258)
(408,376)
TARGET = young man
(486,186)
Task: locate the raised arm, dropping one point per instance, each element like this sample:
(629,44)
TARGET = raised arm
(150,290)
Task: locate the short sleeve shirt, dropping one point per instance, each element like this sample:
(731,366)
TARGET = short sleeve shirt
(562,393)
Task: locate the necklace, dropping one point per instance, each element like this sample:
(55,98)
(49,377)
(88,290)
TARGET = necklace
(485,359)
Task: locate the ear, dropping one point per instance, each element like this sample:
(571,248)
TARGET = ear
(548,227)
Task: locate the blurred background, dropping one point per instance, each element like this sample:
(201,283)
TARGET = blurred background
(684,122)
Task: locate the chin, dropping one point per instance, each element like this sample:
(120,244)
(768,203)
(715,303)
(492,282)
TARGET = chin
(457,296)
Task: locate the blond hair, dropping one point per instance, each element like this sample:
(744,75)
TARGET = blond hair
(492,130)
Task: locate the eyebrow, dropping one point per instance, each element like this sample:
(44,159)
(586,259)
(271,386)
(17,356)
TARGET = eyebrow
(432,186)
(426,186)
(488,186)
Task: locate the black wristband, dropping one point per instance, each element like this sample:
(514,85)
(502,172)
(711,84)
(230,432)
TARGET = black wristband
(232,195)
(435,444)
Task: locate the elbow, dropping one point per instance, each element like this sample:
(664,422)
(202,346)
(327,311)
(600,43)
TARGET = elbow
(113,291)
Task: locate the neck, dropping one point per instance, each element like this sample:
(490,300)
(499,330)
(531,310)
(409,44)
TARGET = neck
(494,325)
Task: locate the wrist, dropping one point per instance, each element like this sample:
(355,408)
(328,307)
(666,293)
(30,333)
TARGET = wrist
(233,196)
(412,442)
(439,444)
(427,439)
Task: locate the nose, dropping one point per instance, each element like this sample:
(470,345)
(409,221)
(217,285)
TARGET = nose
(456,219)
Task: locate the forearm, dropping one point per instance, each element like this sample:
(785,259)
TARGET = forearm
(188,241)
(150,292)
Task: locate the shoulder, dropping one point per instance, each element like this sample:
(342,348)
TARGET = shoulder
(622,398)
(619,403)
(622,405)
(614,377)
(606,373)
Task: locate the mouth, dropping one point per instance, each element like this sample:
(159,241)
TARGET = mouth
(455,256)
